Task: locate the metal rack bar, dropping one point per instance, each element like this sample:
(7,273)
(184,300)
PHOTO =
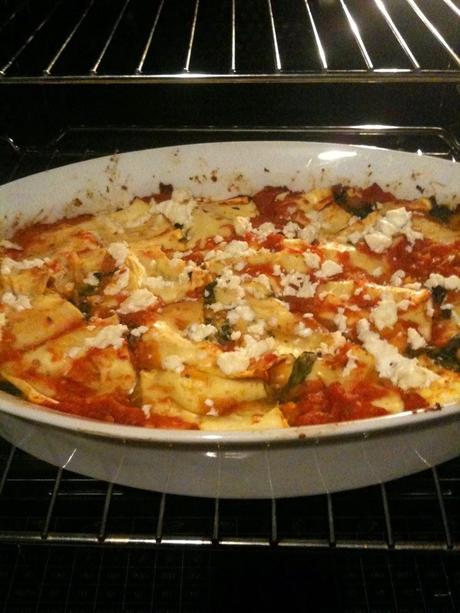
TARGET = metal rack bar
(397,34)
(192,36)
(357,34)
(116,23)
(330,521)
(72,33)
(30,38)
(403,75)
(442,508)
(452,6)
(319,45)
(437,34)
(276,51)
(233,64)
(161,515)
(49,513)
(274,524)
(386,512)
(148,44)
(7,468)
(105,512)
(215,523)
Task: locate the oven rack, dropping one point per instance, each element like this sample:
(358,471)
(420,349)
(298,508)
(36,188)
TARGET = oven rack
(41,504)
(202,41)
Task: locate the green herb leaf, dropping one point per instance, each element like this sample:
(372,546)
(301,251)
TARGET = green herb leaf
(439,211)
(224,333)
(300,370)
(209,296)
(447,356)
(438,293)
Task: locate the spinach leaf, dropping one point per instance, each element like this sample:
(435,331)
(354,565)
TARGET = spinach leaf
(440,212)
(353,205)
(209,296)
(224,333)
(447,356)
(300,370)
(438,293)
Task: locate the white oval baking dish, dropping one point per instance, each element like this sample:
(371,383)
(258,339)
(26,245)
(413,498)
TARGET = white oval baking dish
(256,464)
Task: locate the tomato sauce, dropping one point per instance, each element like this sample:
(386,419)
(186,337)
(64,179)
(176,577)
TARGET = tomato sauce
(26,236)
(269,208)
(258,269)
(374,193)
(166,421)
(322,404)
(424,257)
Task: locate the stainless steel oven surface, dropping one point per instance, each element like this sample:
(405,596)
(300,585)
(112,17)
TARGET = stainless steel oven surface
(92,77)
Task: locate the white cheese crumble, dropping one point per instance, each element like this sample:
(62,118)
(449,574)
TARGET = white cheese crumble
(233,249)
(329,268)
(178,210)
(308,233)
(119,252)
(109,336)
(302,330)
(91,279)
(257,328)
(139,331)
(156,284)
(385,314)
(297,284)
(351,364)
(451,283)
(146,408)
(139,300)
(243,312)
(403,372)
(198,332)
(340,320)
(404,304)
(312,260)
(377,271)
(173,362)
(229,281)
(118,284)
(380,234)
(18,302)
(397,278)
(242,225)
(9,265)
(232,362)
(415,339)
(9,245)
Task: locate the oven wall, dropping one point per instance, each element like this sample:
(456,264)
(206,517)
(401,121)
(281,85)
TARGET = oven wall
(36,114)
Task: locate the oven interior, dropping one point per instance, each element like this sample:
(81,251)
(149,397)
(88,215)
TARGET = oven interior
(92,77)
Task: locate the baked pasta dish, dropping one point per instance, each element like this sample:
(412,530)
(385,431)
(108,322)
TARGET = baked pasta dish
(269,310)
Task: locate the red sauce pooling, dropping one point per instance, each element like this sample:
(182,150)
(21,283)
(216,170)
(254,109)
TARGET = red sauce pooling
(269,208)
(425,257)
(165,421)
(108,407)
(374,193)
(25,236)
(321,404)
